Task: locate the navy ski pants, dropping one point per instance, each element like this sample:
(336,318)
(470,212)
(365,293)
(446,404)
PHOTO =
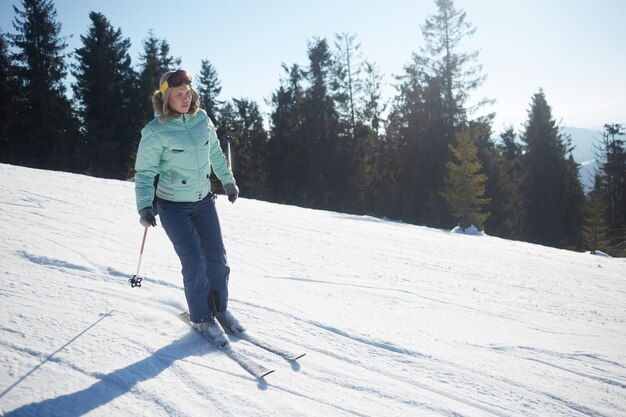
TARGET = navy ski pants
(194,230)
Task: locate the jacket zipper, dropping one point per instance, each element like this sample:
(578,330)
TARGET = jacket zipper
(195,145)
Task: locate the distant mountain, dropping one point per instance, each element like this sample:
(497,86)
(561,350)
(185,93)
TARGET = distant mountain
(585,142)
(584,152)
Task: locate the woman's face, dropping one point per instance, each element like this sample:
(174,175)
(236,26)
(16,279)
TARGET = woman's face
(180,99)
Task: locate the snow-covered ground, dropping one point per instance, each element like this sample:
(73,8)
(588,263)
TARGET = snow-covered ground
(396,320)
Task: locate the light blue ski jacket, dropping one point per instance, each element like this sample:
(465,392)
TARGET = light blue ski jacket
(182,151)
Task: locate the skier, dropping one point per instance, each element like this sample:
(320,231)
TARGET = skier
(180,145)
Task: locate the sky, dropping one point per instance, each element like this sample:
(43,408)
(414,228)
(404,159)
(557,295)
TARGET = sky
(575,50)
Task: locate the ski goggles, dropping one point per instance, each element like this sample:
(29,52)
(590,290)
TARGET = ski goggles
(177,79)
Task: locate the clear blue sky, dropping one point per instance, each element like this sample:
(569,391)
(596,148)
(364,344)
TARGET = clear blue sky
(574,49)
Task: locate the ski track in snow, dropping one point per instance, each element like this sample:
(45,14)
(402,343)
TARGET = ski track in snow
(395,319)
(382,371)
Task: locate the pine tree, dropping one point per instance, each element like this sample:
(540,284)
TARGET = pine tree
(498,188)
(106,89)
(428,111)
(614,170)
(510,149)
(372,89)
(358,106)
(511,154)
(154,62)
(53,141)
(320,185)
(611,182)
(596,227)
(243,126)
(441,57)
(419,145)
(465,184)
(551,191)
(573,204)
(317,151)
(209,89)
(371,181)
(288,162)
(8,103)
(347,82)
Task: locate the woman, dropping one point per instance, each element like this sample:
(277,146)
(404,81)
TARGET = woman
(180,146)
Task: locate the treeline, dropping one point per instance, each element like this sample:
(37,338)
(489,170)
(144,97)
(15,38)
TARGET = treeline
(332,142)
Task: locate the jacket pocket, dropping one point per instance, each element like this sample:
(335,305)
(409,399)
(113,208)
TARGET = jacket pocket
(179,180)
(176,155)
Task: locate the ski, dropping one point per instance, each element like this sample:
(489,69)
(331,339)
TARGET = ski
(252,367)
(270,347)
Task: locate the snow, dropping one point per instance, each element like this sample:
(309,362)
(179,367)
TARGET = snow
(471,230)
(396,319)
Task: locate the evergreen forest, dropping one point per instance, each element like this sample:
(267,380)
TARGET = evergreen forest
(330,141)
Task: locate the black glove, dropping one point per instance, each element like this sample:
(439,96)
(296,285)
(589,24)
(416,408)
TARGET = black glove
(146,217)
(232,191)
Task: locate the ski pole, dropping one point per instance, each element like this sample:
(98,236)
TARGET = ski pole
(230,162)
(135,281)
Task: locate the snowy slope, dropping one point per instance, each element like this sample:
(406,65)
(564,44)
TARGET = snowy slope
(397,320)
